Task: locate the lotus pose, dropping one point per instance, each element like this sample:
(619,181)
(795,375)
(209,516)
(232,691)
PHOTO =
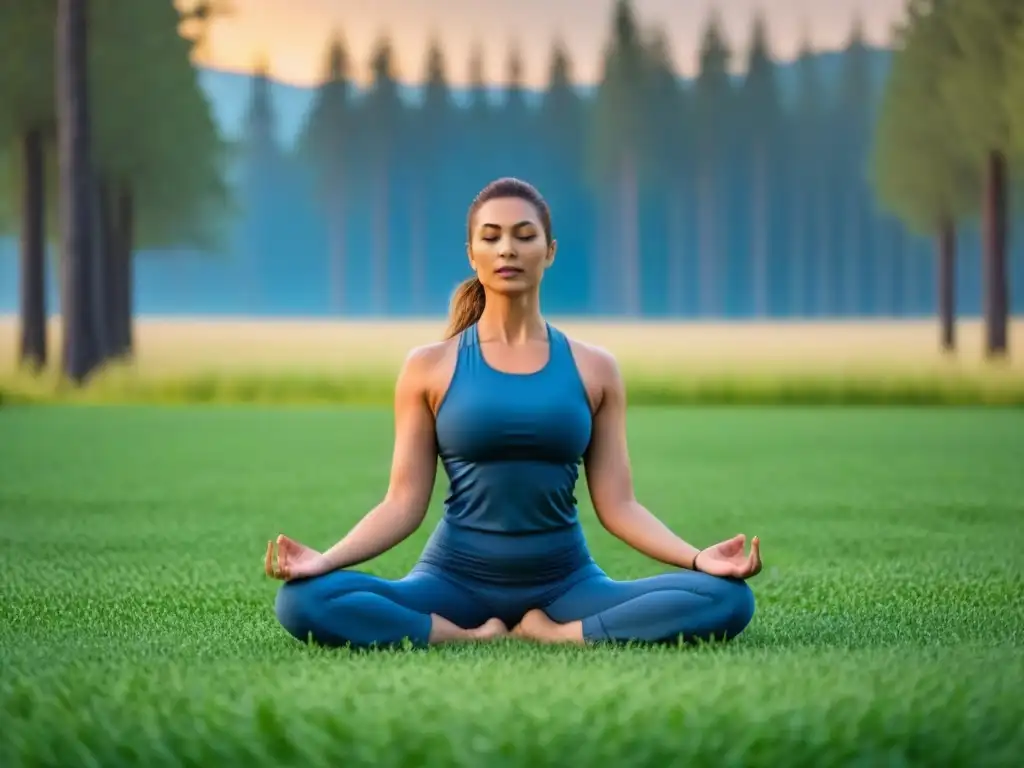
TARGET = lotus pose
(512,407)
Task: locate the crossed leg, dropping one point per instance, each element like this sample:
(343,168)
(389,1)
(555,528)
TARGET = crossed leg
(657,609)
(362,610)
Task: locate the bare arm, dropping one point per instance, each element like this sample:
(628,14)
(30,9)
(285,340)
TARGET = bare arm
(610,481)
(413,472)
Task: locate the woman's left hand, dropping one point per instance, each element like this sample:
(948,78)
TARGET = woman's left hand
(729,559)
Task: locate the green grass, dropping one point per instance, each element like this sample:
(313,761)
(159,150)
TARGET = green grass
(996,385)
(136,626)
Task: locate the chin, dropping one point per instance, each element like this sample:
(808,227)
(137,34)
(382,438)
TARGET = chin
(514,288)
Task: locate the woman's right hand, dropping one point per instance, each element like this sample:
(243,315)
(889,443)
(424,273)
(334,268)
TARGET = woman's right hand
(294,560)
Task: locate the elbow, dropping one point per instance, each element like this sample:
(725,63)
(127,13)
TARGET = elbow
(410,509)
(613,515)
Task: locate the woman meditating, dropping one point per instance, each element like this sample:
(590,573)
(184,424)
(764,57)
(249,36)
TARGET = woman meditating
(512,407)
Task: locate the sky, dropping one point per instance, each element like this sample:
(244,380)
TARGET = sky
(292,35)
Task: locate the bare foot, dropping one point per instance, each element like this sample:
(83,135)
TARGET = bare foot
(537,626)
(491,629)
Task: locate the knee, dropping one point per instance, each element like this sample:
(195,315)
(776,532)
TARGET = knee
(296,608)
(737,603)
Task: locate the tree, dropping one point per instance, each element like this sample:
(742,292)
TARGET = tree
(27,126)
(74,142)
(668,180)
(1013,97)
(325,147)
(620,127)
(159,166)
(560,156)
(382,123)
(428,202)
(852,131)
(713,105)
(919,169)
(973,89)
(759,100)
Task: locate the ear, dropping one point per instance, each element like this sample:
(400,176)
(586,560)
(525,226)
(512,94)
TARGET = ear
(469,255)
(551,253)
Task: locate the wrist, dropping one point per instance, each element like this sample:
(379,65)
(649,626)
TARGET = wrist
(693,564)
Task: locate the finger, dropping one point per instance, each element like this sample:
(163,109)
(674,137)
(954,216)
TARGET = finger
(268,562)
(755,556)
(282,558)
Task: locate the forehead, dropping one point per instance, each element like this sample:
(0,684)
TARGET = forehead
(506,211)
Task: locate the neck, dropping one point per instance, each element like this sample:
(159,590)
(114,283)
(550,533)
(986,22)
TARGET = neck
(512,319)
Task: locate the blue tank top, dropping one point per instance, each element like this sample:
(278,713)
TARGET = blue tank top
(512,443)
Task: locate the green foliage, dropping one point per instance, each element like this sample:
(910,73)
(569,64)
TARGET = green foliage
(760,91)
(27,86)
(621,111)
(8,205)
(974,86)
(919,166)
(376,387)
(138,627)
(713,91)
(324,145)
(166,147)
(1013,99)
(152,125)
(27,70)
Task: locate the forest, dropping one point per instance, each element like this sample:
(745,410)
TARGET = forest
(869,183)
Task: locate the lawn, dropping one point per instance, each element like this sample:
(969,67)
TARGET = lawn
(136,626)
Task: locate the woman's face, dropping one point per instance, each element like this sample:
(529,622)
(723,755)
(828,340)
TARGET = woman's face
(508,249)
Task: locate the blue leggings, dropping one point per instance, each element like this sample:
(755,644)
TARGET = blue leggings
(362,610)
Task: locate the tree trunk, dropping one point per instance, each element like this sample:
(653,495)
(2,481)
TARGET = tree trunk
(124,241)
(996,298)
(336,249)
(676,249)
(32,353)
(104,269)
(630,254)
(380,241)
(417,255)
(707,256)
(74,146)
(947,284)
(850,289)
(798,260)
(759,246)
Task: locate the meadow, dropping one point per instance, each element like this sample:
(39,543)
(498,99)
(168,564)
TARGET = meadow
(136,625)
(320,362)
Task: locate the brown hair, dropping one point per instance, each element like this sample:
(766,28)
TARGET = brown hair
(467,304)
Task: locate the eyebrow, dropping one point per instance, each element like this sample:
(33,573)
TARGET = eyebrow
(524,223)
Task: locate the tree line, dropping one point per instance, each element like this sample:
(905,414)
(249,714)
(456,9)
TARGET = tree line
(719,196)
(724,196)
(111,143)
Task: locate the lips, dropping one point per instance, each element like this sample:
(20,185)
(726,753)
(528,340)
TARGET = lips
(509,271)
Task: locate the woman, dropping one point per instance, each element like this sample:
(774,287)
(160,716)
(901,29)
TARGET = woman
(511,406)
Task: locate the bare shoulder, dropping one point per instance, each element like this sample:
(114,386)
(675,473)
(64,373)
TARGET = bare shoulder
(429,368)
(599,370)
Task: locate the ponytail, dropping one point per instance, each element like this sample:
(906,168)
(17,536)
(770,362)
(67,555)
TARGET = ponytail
(466,307)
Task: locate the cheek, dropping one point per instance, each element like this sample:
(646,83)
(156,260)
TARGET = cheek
(536,254)
(483,253)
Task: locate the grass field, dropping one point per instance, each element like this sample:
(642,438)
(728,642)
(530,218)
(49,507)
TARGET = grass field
(136,627)
(203,360)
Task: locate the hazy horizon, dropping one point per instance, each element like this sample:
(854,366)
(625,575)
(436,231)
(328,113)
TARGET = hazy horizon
(292,36)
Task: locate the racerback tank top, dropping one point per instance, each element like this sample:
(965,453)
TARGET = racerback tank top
(512,444)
